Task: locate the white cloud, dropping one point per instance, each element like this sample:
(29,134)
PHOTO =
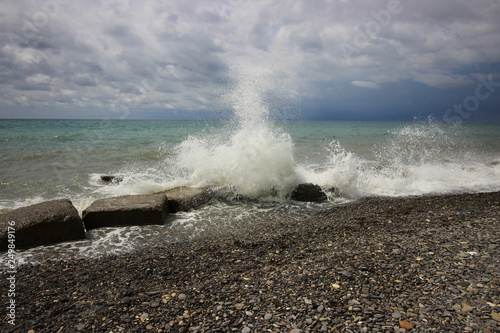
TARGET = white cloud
(365,84)
(442,80)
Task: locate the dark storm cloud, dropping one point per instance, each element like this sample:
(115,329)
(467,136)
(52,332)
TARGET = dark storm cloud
(121,58)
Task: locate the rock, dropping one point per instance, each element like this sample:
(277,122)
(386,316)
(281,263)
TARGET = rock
(126,300)
(396,315)
(396,251)
(406,325)
(467,308)
(186,198)
(126,211)
(111,179)
(79,327)
(495,316)
(464,284)
(308,192)
(41,224)
(347,274)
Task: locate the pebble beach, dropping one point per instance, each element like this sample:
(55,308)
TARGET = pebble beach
(421,264)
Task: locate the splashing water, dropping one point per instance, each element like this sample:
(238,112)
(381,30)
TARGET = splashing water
(419,158)
(255,159)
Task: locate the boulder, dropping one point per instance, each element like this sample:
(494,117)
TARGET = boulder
(41,224)
(126,211)
(186,198)
(308,192)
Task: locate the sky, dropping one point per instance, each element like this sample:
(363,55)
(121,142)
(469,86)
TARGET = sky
(312,60)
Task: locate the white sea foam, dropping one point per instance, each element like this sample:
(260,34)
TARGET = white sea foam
(420,158)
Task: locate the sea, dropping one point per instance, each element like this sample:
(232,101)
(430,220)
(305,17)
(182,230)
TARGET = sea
(251,164)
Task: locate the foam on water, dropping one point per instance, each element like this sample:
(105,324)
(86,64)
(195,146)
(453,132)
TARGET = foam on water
(255,162)
(421,158)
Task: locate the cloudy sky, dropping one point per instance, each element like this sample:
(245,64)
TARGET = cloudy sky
(314,59)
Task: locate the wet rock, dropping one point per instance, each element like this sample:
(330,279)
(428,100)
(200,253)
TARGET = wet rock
(186,198)
(111,179)
(41,224)
(308,192)
(126,211)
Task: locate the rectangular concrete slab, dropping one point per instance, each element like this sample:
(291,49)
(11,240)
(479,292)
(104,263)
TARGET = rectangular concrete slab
(41,224)
(186,198)
(126,210)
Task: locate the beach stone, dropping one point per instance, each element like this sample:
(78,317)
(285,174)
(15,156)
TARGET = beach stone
(467,308)
(79,327)
(396,315)
(126,211)
(308,193)
(41,224)
(183,199)
(396,251)
(126,300)
(406,325)
(495,316)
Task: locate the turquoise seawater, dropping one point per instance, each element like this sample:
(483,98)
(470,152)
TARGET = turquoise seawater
(261,161)
(47,159)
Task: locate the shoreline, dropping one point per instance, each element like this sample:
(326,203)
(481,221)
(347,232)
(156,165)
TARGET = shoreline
(427,264)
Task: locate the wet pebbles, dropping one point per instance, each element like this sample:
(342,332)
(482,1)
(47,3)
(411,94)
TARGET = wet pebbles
(424,264)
